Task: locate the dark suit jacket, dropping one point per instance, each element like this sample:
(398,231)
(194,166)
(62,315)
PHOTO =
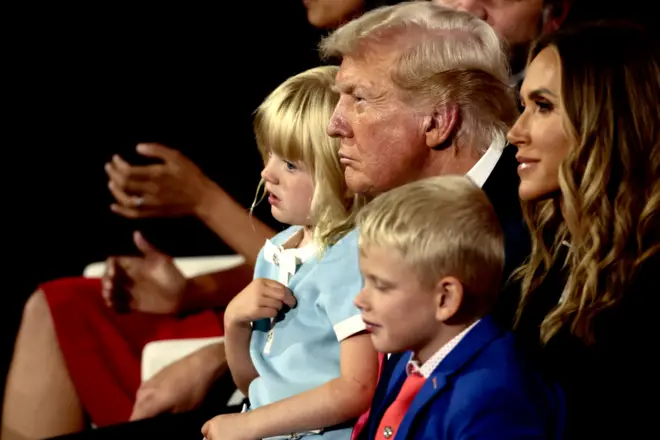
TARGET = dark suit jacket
(502,190)
(501,187)
(482,390)
(611,386)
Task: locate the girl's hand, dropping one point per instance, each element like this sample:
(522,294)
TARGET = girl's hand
(262,298)
(228,427)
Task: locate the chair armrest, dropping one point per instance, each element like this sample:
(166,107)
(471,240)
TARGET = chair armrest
(157,355)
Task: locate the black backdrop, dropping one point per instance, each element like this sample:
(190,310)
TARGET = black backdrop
(90,81)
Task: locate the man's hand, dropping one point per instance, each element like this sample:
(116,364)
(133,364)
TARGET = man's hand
(174,188)
(181,386)
(149,283)
(262,298)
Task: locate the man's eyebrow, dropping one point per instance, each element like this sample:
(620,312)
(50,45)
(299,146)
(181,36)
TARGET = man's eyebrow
(343,88)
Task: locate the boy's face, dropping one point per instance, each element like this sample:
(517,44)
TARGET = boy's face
(400,312)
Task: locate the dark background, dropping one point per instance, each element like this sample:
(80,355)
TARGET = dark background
(87,82)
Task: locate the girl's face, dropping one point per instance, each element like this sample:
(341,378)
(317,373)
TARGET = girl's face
(290,190)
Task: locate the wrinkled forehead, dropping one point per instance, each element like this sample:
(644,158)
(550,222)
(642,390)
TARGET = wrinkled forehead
(366,70)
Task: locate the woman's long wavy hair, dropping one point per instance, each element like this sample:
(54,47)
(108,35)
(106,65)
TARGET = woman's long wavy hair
(608,209)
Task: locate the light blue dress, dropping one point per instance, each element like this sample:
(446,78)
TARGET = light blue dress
(299,350)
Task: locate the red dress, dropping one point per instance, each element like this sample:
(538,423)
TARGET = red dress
(103,349)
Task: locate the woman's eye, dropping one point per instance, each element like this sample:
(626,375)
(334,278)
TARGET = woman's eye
(544,106)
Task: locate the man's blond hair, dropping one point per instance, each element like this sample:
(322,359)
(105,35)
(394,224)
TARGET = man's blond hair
(444,57)
(440,226)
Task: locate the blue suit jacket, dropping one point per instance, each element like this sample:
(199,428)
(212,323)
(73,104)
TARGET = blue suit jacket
(483,389)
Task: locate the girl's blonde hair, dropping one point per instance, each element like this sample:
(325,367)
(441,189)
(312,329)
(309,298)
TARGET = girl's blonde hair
(291,123)
(608,210)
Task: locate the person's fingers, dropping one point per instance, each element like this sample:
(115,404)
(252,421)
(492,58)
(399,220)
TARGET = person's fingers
(268,312)
(271,303)
(281,293)
(152,149)
(143,245)
(122,281)
(131,181)
(133,213)
(136,172)
(205,430)
(127,200)
(107,280)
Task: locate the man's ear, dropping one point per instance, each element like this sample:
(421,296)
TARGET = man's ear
(555,14)
(440,126)
(449,297)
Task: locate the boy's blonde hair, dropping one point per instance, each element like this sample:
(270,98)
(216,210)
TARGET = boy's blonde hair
(440,226)
(291,123)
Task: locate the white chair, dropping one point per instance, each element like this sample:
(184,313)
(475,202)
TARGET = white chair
(157,355)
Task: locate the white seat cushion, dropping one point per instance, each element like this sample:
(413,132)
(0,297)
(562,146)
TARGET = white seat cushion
(190,266)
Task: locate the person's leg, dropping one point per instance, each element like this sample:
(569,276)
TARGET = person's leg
(168,426)
(186,425)
(40,399)
(69,327)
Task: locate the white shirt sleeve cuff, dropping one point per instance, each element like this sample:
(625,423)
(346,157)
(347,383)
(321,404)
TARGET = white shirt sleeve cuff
(349,327)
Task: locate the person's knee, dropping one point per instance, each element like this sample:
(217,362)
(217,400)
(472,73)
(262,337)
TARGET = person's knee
(36,309)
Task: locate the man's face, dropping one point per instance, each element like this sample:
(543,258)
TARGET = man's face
(383,142)
(518,22)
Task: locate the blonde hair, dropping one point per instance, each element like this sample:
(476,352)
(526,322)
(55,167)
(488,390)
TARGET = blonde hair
(440,226)
(445,57)
(609,207)
(291,123)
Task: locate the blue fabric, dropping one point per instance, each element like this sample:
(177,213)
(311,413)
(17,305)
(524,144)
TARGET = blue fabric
(483,389)
(304,352)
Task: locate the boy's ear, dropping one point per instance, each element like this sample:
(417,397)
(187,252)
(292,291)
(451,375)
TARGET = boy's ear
(449,297)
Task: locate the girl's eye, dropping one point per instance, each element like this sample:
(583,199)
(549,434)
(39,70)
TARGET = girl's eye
(290,166)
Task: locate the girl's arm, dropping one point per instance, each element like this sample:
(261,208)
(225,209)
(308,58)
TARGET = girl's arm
(237,351)
(262,298)
(335,402)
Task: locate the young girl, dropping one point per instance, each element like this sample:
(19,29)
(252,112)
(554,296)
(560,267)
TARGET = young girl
(295,343)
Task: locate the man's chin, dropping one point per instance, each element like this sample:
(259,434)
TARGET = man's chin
(357,182)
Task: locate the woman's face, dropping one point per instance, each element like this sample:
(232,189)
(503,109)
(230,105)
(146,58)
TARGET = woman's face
(329,14)
(539,133)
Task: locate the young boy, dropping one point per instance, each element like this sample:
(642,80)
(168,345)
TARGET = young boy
(431,253)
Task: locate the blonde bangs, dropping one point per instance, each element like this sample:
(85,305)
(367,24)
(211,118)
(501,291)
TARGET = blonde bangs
(295,116)
(292,124)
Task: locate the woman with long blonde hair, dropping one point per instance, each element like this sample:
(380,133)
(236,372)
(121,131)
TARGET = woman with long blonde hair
(589,152)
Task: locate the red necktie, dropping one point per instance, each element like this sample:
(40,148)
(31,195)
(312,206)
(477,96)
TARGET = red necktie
(397,410)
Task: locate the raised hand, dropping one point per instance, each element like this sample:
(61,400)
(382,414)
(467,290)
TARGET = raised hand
(174,188)
(148,283)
